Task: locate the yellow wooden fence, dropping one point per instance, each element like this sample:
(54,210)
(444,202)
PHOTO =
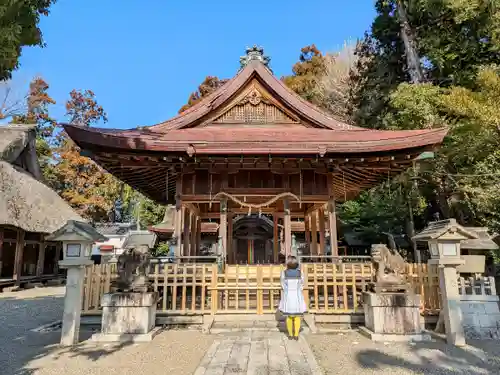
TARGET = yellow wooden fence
(197,288)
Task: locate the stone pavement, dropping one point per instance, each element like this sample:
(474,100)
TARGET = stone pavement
(258,353)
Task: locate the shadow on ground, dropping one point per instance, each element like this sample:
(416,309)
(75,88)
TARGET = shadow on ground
(21,347)
(436,357)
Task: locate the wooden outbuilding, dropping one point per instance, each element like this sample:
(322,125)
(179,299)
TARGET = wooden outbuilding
(29,210)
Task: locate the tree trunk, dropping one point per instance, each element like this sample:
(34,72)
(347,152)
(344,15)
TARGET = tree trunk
(409,40)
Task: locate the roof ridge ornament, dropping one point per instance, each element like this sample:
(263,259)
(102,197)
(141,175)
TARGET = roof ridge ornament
(254,53)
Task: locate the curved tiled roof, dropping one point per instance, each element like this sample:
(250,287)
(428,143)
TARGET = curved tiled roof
(256,140)
(323,133)
(254,69)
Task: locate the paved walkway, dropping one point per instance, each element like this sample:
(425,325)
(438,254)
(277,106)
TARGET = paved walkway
(258,353)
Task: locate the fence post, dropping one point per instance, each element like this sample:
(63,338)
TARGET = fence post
(213,290)
(306,285)
(260,292)
(493,287)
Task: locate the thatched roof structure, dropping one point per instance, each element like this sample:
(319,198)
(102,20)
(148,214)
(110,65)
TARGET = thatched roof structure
(25,201)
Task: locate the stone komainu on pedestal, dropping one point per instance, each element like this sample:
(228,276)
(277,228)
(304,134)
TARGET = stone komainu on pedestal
(132,264)
(390,269)
(392,310)
(129,314)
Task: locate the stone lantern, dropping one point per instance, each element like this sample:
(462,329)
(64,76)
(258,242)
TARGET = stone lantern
(77,238)
(444,238)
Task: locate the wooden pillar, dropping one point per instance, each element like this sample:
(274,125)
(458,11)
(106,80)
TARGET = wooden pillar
(198,236)
(18,260)
(307,231)
(178,227)
(314,233)
(185,231)
(276,245)
(250,252)
(322,230)
(186,218)
(1,249)
(230,250)
(223,227)
(41,256)
(57,256)
(332,222)
(192,233)
(288,228)
(332,217)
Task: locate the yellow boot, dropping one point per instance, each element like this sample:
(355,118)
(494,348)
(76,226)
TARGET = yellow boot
(289,325)
(296,327)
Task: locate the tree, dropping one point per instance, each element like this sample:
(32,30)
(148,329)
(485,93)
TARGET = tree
(89,189)
(82,108)
(208,86)
(38,101)
(410,43)
(454,40)
(19,28)
(448,40)
(380,67)
(307,73)
(333,85)
(149,212)
(462,180)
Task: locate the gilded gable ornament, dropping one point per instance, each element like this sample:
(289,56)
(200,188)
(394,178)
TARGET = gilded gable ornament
(254,97)
(254,53)
(254,108)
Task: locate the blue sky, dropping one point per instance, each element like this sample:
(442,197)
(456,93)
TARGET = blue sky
(143,61)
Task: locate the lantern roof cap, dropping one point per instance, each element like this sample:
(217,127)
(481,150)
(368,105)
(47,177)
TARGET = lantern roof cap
(438,229)
(76,230)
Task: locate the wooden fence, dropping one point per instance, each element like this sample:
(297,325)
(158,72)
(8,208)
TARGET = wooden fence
(198,288)
(424,280)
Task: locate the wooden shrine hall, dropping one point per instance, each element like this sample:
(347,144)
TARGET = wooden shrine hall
(258,160)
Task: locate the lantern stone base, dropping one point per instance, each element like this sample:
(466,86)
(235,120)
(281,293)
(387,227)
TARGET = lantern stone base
(393,316)
(127,317)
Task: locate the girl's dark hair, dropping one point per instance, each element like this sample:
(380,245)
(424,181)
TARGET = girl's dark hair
(292,263)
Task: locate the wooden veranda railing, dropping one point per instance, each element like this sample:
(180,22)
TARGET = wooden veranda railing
(203,288)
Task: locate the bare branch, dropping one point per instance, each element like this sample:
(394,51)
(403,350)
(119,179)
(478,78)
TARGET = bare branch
(333,87)
(12,104)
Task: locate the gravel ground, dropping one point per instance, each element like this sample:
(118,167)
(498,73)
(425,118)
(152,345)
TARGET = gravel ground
(19,313)
(24,352)
(353,354)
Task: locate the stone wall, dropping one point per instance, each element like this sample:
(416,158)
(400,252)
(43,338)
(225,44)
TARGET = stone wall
(481,316)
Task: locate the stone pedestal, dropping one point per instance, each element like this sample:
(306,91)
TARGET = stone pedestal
(392,316)
(127,317)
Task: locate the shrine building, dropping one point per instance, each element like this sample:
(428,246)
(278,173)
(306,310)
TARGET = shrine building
(259,161)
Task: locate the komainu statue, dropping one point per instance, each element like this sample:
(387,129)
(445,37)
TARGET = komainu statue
(132,266)
(390,269)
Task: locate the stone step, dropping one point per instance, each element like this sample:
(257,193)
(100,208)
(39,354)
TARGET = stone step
(248,325)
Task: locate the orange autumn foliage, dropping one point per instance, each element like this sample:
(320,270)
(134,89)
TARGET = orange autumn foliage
(89,189)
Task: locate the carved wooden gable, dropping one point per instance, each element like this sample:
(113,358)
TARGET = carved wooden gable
(254,106)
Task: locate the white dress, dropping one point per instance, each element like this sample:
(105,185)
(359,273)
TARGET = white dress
(292,299)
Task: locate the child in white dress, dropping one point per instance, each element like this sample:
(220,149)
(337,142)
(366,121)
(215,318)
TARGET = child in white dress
(292,303)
